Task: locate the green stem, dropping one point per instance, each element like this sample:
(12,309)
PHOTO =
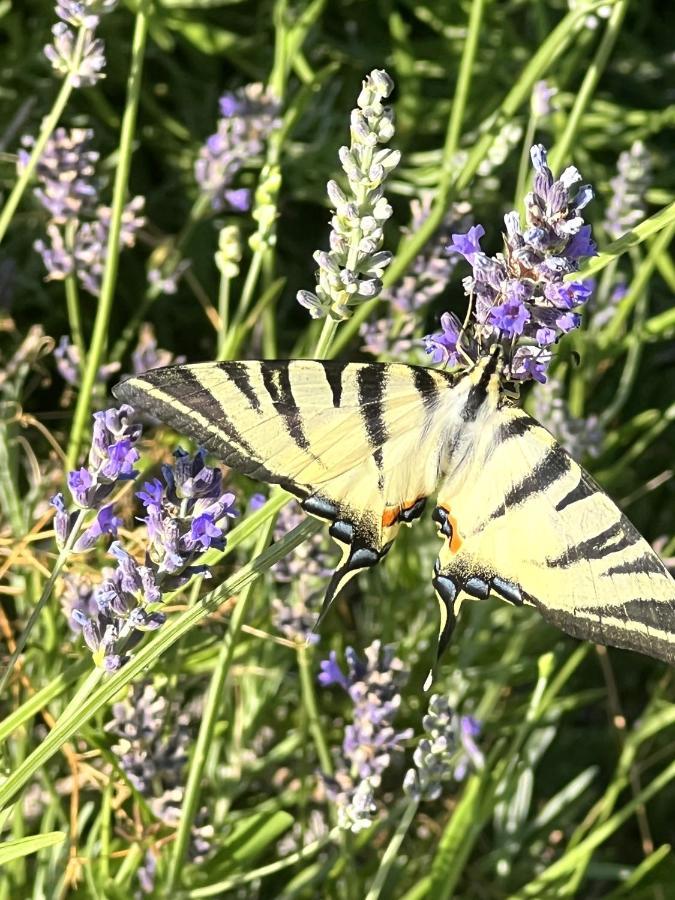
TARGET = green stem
(207,726)
(74,317)
(311,708)
(49,123)
(94,357)
(391,853)
(561,151)
(223,312)
(459,101)
(44,597)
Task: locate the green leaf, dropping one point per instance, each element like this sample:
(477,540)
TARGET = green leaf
(10,850)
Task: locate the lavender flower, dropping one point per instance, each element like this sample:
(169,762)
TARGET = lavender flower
(448,752)
(351,270)
(540,102)
(520,298)
(248,116)
(69,363)
(187,514)
(84,13)
(111,457)
(78,227)
(78,594)
(370,742)
(627,206)
(66,173)
(155,737)
(147,355)
(83,68)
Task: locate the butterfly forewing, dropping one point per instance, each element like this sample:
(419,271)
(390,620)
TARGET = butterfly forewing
(358,444)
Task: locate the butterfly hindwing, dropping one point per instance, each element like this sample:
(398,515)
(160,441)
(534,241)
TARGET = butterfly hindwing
(359,444)
(526,523)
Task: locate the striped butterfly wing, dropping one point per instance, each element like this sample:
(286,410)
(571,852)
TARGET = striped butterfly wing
(527,523)
(358,444)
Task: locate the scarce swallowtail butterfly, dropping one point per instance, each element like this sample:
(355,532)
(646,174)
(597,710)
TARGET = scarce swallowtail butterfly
(365,445)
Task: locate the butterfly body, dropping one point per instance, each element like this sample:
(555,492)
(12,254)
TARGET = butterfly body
(364,445)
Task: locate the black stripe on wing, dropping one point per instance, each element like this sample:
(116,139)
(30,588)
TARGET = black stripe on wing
(180,400)
(240,375)
(556,464)
(582,489)
(615,538)
(276,378)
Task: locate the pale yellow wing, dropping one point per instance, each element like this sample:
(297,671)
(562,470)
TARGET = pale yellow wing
(525,522)
(358,444)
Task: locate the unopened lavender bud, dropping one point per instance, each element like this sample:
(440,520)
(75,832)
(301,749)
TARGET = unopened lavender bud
(335,193)
(382,82)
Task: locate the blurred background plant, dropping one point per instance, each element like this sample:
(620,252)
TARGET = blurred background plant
(236,751)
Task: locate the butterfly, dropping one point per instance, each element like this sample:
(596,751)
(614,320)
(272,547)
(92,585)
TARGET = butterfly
(364,446)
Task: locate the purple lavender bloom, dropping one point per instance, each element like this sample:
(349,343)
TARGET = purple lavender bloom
(154,737)
(468,245)
(62,54)
(471,757)
(78,594)
(65,172)
(68,363)
(442,346)
(111,457)
(510,317)
(249,115)
(448,750)
(331,673)
(78,226)
(256,501)
(63,520)
(517,292)
(147,354)
(186,516)
(370,740)
(105,522)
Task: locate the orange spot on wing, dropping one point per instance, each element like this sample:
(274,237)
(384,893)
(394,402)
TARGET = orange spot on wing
(390,516)
(455,541)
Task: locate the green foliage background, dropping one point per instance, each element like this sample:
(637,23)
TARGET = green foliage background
(576,797)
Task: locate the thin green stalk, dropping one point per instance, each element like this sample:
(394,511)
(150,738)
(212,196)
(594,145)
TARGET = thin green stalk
(223,312)
(100,333)
(310,704)
(637,288)
(552,48)
(44,597)
(390,854)
(74,316)
(214,701)
(49,123)
(561,151)
(462,88)
(659,222)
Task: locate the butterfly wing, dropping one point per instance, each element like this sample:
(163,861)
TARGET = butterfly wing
(527,523)
(358,444)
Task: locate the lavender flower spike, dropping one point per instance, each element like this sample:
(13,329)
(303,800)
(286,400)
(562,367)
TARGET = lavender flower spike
(351,270)
(523,298)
